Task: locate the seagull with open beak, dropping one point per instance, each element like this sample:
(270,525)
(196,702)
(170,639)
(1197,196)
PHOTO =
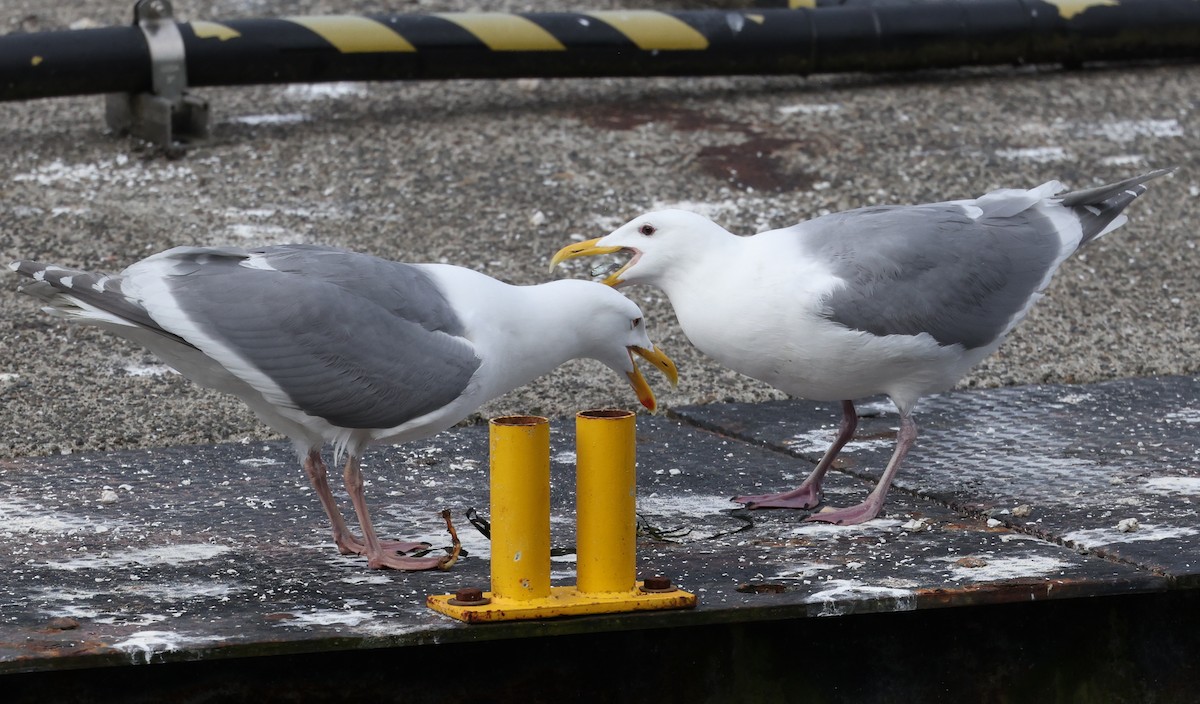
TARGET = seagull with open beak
(895,300)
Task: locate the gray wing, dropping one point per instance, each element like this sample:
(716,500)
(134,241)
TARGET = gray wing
(359,341)
(933,269)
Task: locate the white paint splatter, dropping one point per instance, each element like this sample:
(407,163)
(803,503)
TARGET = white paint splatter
(839,591)
(565,457)
(253,213)
(1074,398)
(147,369)
(817,441)
(180,591)
(163,555)
(689,505)
(1123,160)
(1040,155)
(327,617)
(262,233)
(142,646)
(1169,486)
(290,118)
(1147,532)
(463,464)
(118,172)
(1128,130)
(810,108)
(875,408)
(803,571)
(1016,537)
(1184,415)
(814,529)
(259,462)
(1007,567)
(72,611)
(372,578)
(19,517)
(325,91)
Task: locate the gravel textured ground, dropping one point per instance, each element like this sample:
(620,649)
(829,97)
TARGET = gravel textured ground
(498,175)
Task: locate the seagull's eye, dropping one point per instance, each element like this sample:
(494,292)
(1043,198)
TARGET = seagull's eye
(636,323)
(647,229)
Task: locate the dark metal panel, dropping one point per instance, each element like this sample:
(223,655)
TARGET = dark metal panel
(217,552)
(1082,458)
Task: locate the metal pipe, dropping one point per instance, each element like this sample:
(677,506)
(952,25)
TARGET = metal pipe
(887,36)
(520,505)
(605,494)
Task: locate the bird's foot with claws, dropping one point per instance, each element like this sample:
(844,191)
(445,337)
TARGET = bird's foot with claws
(801,497)
(849,516)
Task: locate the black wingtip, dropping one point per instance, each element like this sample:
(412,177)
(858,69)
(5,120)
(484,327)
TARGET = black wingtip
(1099,208)
(1098,195)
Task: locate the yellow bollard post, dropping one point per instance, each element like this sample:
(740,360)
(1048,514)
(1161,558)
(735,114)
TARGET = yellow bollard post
(606,491)
(520,488)
(606,541)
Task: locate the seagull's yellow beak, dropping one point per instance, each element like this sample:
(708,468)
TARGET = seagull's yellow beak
(659,359)
(587,249)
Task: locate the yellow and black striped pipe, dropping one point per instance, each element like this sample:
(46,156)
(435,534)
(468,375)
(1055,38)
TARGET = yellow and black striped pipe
(853,35)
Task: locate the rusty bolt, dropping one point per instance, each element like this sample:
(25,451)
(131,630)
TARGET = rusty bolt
(657,584)
(469,596)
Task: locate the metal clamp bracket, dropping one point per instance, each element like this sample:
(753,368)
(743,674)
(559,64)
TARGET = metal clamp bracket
(168,116)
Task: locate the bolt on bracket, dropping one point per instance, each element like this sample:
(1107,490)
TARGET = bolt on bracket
(167,116)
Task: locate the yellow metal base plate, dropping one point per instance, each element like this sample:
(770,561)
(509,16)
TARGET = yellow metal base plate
(563,601)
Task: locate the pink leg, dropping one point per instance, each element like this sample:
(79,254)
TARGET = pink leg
(808,494)
(860,513)
(377,556)
(347,543)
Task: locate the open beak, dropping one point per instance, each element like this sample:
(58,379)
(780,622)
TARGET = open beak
(659,359)
(588,249)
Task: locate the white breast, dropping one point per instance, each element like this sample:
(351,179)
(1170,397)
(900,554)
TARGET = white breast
(759,313)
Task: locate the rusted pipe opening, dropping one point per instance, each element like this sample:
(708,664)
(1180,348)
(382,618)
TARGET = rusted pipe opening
(602,413)
(519,420)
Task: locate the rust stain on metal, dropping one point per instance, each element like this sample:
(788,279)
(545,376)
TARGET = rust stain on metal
(761,588)
(971,562)
(61,623)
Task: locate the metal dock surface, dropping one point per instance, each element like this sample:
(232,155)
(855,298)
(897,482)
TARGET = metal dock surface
(997,572)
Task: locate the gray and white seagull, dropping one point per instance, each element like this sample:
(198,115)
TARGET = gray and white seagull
(896,300)
(327,345)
